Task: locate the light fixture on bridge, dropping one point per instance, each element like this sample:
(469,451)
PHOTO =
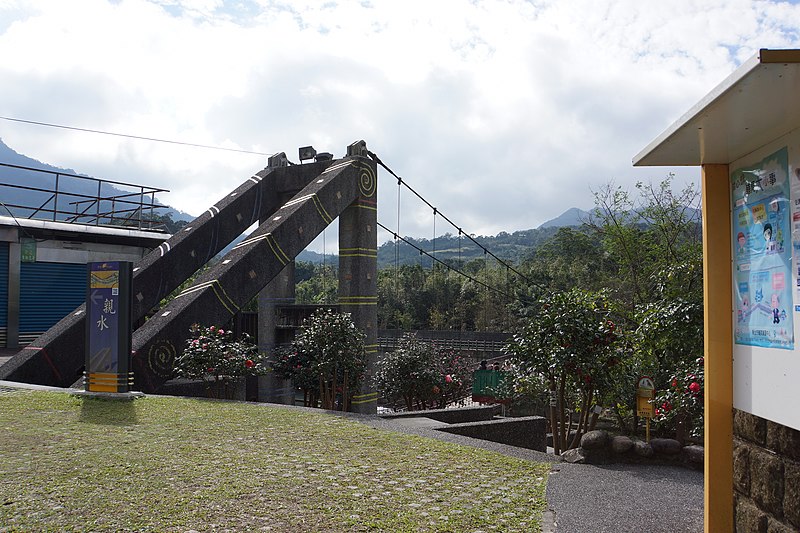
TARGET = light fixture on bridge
(323,156)
(307,152)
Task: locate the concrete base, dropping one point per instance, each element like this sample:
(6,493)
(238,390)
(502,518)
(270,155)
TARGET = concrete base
(114,396)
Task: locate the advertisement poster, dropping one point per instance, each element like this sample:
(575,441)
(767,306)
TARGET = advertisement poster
(762,255)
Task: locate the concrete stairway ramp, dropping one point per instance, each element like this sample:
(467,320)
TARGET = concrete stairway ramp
(56,358)
(220,292)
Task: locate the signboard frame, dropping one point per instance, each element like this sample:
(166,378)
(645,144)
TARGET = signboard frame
(108,327)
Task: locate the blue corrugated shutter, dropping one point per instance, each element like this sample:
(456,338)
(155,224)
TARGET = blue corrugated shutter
(3,284)
(48,292)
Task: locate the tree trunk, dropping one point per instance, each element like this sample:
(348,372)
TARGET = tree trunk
(553,421)
(562,408)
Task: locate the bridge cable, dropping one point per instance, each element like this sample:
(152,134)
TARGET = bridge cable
(138,137)
(449,267)
(324,268)
(377,160)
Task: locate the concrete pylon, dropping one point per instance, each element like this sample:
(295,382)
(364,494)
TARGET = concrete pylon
(358,270)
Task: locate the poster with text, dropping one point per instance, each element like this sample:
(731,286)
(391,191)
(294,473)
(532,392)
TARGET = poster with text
(762,253)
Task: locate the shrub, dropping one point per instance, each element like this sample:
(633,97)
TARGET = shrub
(326,360)
(420,375)
(680,406)
(213,355)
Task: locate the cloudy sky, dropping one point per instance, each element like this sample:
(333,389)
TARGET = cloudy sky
(502,113)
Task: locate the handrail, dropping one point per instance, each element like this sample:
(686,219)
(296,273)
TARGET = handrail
(124,208)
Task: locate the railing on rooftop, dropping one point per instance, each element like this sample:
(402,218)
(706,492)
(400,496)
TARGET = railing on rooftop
(133,207)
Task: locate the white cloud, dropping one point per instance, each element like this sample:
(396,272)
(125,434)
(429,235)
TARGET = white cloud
(502,113)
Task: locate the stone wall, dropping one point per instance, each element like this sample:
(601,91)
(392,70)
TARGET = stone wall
(766,475)
(523,432)
(451,416)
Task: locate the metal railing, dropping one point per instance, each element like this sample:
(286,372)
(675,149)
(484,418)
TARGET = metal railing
(112,207)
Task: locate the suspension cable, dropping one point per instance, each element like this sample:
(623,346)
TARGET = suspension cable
(449,267)
(377,160)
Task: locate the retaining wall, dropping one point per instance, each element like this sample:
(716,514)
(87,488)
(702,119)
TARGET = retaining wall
(766,475)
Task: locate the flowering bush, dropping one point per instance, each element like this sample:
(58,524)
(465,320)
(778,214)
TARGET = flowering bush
(326,360)
(681,404)
(214,356)
(422,376)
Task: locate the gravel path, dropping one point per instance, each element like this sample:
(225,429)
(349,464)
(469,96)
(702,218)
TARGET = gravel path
(625,498)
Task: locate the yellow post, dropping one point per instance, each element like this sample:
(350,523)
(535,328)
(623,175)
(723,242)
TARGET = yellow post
(718,338)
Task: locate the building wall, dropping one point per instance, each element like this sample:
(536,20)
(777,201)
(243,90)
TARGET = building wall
(35,295)
(766,475)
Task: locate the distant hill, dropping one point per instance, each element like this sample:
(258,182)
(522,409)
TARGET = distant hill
(69,186)
(571,217)
(449,248)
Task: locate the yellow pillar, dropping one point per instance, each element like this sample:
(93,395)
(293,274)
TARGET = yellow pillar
(718,337)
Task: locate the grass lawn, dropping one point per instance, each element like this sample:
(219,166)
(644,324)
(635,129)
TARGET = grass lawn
(174,464)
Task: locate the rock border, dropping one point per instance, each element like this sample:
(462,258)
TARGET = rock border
(598,447)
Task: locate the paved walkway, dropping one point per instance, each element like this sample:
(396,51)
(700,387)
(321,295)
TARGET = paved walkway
(625,498)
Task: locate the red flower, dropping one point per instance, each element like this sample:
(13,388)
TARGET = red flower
(448,378)
(658,412)
(694,387)
(248,363)
(666,406)
(221,332)
(701,361)
(212,328)
(210,369)
(674,382)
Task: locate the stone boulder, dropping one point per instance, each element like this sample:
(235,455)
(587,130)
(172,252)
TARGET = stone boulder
(575,455)
(621,444)
(694,454)
(642,448)
(594,440)
(666,446)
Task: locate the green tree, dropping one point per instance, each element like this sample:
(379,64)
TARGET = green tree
(213,355)
(570,341)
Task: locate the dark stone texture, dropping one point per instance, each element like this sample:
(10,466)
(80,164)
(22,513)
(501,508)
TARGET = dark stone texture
(642,448)
(621,444)
(741,467)
(452,416)
(791,495)
(358,276)
(666,446)
(783,440)
(749,518)
(694,454)
(749,427)
(524,432)
(594,440)
(766,481)
(575,455)
(773,526)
